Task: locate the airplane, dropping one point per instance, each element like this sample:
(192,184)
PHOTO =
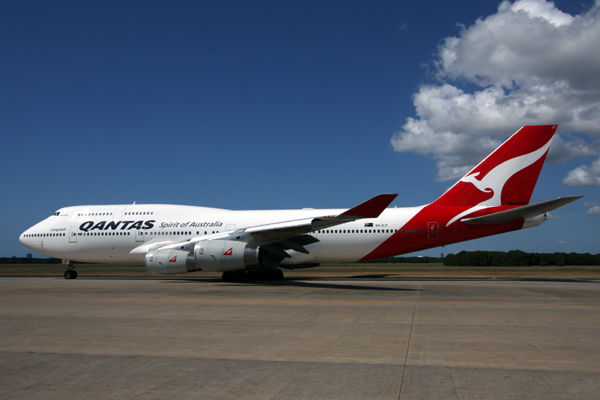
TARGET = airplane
(491,199)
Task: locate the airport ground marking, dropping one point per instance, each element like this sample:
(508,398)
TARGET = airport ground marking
(200,299)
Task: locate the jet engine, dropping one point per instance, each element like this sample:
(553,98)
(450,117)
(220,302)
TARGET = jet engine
(225,255)
(170,262)
(213,255)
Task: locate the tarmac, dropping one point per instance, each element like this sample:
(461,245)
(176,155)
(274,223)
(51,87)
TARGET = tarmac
(319,338)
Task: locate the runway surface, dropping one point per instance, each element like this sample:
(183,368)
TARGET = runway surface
(317,338)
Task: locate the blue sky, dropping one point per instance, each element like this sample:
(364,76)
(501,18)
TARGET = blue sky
(270,105)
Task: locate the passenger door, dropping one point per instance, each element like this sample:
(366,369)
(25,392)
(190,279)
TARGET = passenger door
(73,234)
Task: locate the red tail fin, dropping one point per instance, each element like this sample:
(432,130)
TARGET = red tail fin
(508,175)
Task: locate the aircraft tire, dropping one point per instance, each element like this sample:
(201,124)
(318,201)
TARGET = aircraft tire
(240,276)
(70,274)
(227,276)
(274,275)
(278,275)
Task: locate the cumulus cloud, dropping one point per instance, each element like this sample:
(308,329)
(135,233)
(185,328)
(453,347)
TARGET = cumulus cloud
(562,150)
(594,208)
(531,64)
(584,175)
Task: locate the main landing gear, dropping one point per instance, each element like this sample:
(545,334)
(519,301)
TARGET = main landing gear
(253,275)
(70,273)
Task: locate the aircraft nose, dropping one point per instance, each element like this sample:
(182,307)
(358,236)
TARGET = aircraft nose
(25,239)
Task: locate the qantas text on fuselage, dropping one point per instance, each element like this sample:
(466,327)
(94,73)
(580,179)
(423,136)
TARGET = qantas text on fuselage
(149,224)
(492,198)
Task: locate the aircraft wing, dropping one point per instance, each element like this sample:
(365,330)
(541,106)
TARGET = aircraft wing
(268,233)
(528,211)
(280,236)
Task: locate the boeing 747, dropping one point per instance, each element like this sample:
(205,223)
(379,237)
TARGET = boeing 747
(492,198)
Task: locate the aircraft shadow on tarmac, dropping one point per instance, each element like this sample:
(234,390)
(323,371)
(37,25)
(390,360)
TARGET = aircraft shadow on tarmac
(304,282)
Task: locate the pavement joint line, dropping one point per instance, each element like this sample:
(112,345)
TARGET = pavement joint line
(299,301)
(412,323)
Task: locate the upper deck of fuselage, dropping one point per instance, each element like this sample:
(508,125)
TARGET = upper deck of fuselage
(78,215)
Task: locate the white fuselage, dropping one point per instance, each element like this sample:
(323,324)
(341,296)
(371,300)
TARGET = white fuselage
(122,234)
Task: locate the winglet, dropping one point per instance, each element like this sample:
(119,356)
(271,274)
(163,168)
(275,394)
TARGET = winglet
(371,208)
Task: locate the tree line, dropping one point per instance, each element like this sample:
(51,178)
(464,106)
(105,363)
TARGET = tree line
(404,260)
(27,260)
(518,258)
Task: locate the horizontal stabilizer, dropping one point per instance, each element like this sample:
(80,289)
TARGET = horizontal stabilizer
(524,212)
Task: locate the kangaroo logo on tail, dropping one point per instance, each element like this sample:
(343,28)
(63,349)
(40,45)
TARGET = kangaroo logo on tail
(505,177)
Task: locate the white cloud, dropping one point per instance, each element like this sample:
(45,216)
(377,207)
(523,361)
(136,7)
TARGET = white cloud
(584,175)
(535,9)
(403,27)
(594,208)
(561,150)
(455,153)
(532,63)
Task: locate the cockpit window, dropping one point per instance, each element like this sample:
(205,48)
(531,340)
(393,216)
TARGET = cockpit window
(56,213)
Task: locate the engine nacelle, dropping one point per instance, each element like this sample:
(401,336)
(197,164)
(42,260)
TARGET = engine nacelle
(225,255)
(170,262)
(213,255)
